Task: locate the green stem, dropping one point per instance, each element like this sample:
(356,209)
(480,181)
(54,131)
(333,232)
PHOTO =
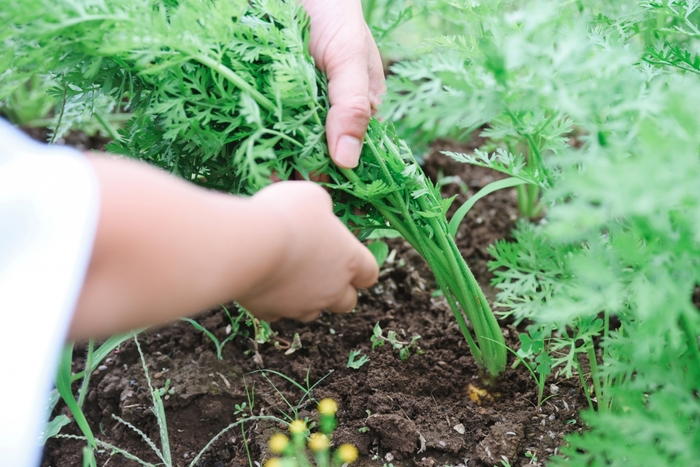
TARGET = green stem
(491,341)
(534,148)
(46,121)
(237,80)
(540,388)
(88,371)
(523,200)
(450,270)
(60,115)
(534,207)
(245,443)
(476,351)
(107,126)
(583,383)
(282,136)
(595,375)
(690,337)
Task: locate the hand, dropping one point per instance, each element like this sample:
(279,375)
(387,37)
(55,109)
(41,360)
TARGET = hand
(320,262)
(343,47)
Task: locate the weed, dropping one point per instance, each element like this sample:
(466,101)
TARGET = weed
(533,354)
(306,390)
(294,451)
(530,455)
(356,360)
(404,348)
(232,330)
(163,452)
(64,380)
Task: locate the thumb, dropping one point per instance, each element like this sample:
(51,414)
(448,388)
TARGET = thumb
(350,112)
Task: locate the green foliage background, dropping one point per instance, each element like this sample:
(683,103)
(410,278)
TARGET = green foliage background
(598,102)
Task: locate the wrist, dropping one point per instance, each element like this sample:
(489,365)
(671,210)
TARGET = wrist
(265,236)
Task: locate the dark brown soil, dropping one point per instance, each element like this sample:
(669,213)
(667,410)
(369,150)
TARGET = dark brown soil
(414,412)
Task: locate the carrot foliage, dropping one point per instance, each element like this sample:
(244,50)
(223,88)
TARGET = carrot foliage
(224,93)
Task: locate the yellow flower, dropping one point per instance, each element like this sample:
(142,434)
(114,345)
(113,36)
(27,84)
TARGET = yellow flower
(278,443)
(273,462)
(347,453)
(297,427)
(319,442)
(327,407)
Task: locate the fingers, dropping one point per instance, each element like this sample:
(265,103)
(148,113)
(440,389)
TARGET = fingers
(310,316)
(343,47)
(365,276)
(347,301)
(367,272)
(355,86)
(348,117)
(377,83)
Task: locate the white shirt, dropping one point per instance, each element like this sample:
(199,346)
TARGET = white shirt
(48,214)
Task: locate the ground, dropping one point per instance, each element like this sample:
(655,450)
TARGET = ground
(432,409)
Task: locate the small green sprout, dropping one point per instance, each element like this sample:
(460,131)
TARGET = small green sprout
(356,360)
(404,348)
(533,353)
(240,408)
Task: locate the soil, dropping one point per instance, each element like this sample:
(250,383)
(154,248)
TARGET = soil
(432,409)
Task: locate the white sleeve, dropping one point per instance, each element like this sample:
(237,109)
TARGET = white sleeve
(48,214)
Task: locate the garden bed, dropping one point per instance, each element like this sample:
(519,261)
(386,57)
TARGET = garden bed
(432,409)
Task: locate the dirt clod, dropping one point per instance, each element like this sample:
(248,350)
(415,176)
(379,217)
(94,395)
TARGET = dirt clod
(502,443)
(396,434)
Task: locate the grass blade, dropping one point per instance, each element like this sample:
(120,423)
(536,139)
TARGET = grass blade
(487,190)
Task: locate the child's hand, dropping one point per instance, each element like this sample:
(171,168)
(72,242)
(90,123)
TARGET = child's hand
(343,47)
(319,262)
(165,248)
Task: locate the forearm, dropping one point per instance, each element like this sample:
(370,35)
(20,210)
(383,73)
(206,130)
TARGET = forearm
(165,248)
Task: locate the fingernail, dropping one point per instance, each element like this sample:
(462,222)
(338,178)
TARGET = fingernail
(348,151)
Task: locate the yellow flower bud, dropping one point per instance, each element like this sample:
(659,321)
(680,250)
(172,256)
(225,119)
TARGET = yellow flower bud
(318,442)
(297,427)
(347,453)
(327,407)
(278,443)
(273,462)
